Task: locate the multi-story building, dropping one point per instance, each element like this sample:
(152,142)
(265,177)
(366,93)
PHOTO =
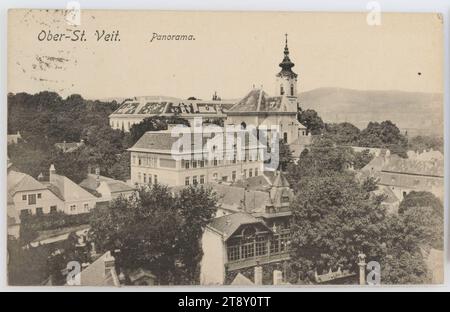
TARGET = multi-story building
(133,111)
(252,228)
(256,109)
(154,159)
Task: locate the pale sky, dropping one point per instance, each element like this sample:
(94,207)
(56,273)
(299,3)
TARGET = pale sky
(232,52)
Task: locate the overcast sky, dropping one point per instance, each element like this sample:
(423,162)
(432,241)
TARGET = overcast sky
(232,52)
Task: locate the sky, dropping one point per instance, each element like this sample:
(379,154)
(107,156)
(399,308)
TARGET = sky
(232,51)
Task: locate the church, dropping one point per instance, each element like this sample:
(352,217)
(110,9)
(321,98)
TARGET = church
(257,108)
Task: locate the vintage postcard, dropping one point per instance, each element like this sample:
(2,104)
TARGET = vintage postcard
(152,148)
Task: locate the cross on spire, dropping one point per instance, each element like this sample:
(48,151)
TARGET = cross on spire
(286,65)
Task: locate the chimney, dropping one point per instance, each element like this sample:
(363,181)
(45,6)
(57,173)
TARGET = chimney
(109,262)
(258,274)
(52,172)
(277,277)
(40,177)
(362,268)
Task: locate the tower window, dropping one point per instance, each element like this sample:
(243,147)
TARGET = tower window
(292,90)
(281,90)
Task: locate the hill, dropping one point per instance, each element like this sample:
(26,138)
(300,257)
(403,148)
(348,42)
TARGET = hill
(418,113)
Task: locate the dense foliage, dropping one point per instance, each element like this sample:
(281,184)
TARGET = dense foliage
(335,217)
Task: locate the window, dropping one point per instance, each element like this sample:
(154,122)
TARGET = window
(292,89)
(194,180)
(145,178)
(39,195)
(256,172)
(24,197)
(52,209)
(248,250)
(233,253)
(202,163)
(73,208)
(139,161)
(156,179)
(39,211)
(187,165)
(250,173)
(202,179)
(225,178)
(86,207)
(194,164)
(215,162)
(186,181)
(149,179)
(261,246)
(281,90)
(233,176)
(32,199)
(285,137)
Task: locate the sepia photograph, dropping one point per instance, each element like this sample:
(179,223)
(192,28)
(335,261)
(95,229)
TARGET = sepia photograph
(233,148)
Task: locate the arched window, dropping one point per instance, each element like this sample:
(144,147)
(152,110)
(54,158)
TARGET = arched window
(243,125)
(292,89)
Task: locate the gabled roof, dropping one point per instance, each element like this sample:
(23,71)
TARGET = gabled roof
(155,140)
(228,225)
(115,186)
(66,189)
(242,280)
(257,100)
(96,275)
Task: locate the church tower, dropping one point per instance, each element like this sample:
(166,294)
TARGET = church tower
(286,82)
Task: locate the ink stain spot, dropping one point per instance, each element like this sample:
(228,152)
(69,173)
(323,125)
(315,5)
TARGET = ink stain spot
(419,73)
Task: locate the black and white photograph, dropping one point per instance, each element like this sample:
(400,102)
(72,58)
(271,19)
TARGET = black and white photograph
(224,148)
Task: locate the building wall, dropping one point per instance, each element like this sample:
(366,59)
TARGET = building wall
(212,266)
(176,174)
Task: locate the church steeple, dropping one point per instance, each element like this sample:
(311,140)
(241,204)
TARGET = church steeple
(286,65)
(286,83)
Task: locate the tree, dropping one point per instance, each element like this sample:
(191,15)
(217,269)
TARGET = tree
(425,213)
(157,230)
(311,120)
(424,143)
(334,219)
(384,135)
(361,159)
(321,158)
(286,158)
(343,133)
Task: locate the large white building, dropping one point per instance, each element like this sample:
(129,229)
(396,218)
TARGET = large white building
(153,160)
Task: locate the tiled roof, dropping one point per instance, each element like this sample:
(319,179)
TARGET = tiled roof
(90,183)
(227,225)
(413,166)
(20,182)
(155,140)
(233,197)
(160,105)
